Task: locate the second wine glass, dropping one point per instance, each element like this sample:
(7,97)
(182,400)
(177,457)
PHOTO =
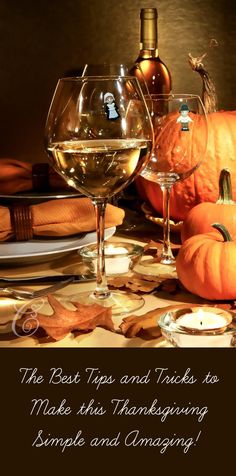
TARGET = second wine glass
(180,141)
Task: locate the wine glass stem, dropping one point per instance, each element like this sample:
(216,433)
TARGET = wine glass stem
(101,291)
(166,256)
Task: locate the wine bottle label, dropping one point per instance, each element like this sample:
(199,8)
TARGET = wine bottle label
(184,118)
(111,107)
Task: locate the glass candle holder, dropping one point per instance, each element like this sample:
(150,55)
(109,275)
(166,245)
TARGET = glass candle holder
(120,257)
(199,326)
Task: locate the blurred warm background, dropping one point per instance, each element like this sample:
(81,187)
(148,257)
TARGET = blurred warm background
(41,41)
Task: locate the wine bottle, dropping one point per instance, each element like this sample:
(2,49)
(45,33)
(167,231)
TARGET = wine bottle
(155,72)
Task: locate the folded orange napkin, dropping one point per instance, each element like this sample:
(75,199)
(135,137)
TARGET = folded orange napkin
(60,218)
(17,176)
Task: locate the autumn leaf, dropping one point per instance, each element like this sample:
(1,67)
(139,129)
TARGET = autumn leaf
(63,321)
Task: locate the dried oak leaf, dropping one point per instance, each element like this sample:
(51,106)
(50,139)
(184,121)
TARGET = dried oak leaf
(63,321)
(131,326)
(134,282)
(145,283)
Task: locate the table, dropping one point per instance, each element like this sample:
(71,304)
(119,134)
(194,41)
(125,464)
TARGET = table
(99,337)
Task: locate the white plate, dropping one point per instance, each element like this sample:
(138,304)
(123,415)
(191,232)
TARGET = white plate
(44,250)
(40,197)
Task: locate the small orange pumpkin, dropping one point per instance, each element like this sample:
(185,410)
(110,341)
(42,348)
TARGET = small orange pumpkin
(201,217)
(202,186)
(206,265)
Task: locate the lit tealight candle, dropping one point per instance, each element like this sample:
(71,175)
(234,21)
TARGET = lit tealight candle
(203,321)
(112,250)
(120,257)
(115,264)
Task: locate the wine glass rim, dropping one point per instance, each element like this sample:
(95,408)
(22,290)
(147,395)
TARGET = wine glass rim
(177,96)
(106,63)
(97,77)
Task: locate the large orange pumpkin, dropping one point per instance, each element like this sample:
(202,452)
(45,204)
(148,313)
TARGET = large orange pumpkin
(206,265)
(202,186)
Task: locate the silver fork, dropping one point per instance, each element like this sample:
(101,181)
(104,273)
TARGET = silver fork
(23,294)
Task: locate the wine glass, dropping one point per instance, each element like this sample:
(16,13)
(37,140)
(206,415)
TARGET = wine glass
(180,141)
(99,137)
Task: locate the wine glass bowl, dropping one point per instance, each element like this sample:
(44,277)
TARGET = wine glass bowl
(94,153)
(99,137)
(180,141)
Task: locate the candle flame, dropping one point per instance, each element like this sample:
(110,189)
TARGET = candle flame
(200,314)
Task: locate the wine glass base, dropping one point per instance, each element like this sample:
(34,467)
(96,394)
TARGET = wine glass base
(167,260)
(119,301)
(150,266)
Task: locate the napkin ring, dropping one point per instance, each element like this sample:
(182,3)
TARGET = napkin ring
(21,221)
(40,177)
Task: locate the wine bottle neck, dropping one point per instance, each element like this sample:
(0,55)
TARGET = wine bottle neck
(148,32)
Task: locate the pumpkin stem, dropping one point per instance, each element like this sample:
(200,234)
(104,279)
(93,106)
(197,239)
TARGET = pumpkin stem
(209,95)
(223,231)
(225,188)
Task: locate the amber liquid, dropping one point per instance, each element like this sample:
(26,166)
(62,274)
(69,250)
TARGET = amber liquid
(156,74)
(100,168)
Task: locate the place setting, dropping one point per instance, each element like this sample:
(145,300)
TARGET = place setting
(70,274)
